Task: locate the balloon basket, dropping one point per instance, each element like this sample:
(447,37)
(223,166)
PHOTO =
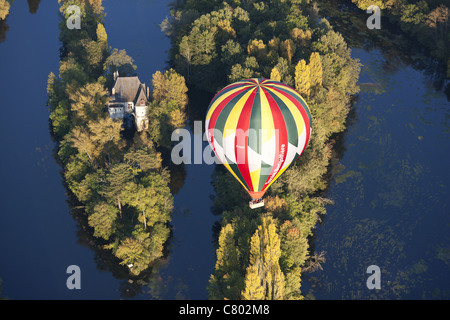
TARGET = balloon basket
(256,204)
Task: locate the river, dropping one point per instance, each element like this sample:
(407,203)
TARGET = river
(390,186)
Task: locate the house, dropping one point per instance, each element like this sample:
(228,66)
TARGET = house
(129,97)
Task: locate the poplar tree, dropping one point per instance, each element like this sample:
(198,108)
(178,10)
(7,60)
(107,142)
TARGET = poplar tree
(264,269)
(227,279)
(288,49)
(275,75)
(253,288)
(4,9)
(315,66)
(101,33)
(303,78)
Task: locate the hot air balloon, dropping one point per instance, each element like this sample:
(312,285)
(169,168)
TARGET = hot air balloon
(257,129)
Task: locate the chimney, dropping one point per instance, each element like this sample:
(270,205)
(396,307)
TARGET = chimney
(114,92)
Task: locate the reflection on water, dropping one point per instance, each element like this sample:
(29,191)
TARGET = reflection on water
(33,6)
(390,191)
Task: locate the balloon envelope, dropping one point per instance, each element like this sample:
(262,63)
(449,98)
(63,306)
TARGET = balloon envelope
(257,129)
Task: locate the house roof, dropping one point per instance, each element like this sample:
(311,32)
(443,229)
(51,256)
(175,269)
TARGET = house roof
(129,89)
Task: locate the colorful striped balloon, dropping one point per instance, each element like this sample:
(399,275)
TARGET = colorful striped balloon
(257,129)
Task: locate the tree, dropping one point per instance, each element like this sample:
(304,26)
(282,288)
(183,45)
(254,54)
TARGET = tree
(231,53)
(294,251)
(93,56)
(141,248)
(274,48)
(285,69)
(170,86)
(288,49)
(143,159)
(102,37)
(72,73)
(253,288)
(275,74)
(81,140)
(438,19)
(238,72)
(102,40)
(87,102)
(315,66)
(60,119)
(186,51)
(178,118)
(264,269)
(106,135)
(300,37)
(150,201)
(134,253)
(364,4)
(202,40)
(119,60)
(87,191)
(257,48)
(227,280)
(119,176)
(4,9)
(103,220)
(303,78)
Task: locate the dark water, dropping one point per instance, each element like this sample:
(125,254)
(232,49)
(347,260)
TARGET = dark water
(390,187)
(391,191)
(38,236)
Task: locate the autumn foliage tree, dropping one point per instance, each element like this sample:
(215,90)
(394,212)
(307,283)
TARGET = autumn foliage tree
(303,78)
(264,279)
(4,9)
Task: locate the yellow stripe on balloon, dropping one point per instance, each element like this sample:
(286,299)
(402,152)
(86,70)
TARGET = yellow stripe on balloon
(255,176)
